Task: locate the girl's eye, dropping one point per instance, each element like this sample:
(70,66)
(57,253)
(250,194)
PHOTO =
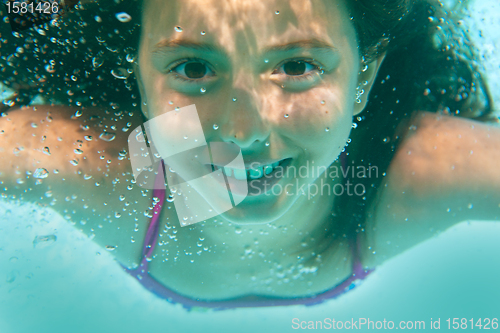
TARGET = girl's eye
(193,70)
(295,68)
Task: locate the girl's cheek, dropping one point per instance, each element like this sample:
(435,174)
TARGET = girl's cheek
(313,118)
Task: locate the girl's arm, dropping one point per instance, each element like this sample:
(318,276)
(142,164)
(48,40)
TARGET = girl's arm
(54,156)
(445,172)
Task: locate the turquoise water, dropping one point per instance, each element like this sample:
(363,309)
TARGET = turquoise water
(72,285)
(55,279)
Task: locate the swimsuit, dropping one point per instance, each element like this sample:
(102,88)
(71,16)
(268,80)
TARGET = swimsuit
(141,273)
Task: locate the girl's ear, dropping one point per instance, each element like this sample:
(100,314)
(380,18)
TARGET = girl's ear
(366,79)
(142,91)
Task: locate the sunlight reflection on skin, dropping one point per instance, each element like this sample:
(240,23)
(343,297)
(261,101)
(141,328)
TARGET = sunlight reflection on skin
(245,32)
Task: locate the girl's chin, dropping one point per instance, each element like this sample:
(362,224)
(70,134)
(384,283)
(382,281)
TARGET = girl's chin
(246,220)
(257,212)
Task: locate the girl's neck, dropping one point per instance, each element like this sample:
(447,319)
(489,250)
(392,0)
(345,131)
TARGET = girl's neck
(295,256)
(304,231)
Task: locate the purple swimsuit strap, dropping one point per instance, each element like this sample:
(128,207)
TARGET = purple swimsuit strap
(159,192)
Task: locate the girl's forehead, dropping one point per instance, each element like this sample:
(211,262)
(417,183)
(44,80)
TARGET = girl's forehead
(260,22)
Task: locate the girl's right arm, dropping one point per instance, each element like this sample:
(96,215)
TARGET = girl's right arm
(54,156)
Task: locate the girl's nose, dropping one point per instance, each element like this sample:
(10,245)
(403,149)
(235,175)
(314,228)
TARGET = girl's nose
(244,123)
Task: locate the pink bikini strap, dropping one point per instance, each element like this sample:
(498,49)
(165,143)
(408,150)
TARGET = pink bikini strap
(158,200)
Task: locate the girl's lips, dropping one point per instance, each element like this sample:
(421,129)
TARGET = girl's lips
(255,187)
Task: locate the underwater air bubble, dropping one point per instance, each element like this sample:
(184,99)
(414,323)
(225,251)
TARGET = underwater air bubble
(178,29)
(107,136)
(97,61)
(50,69)
(130,58)
(123,17)
(41,173)
(17,150)
(40,241)
(120,73)
(216,126)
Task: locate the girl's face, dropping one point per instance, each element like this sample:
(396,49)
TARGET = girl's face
(276,77)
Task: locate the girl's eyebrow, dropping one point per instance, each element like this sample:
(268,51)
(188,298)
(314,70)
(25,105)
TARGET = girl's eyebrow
(309,44)
(171,46)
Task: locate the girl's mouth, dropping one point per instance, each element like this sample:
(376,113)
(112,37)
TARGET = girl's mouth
(256,177)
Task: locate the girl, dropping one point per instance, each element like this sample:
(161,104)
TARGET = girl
(289,83)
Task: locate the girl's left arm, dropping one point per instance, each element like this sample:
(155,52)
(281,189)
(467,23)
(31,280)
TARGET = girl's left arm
(446,171)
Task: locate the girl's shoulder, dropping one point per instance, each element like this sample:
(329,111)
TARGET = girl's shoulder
(444,172)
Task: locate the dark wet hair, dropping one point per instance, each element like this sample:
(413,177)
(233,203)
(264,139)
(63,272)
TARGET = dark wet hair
(83,60)
(80,59)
